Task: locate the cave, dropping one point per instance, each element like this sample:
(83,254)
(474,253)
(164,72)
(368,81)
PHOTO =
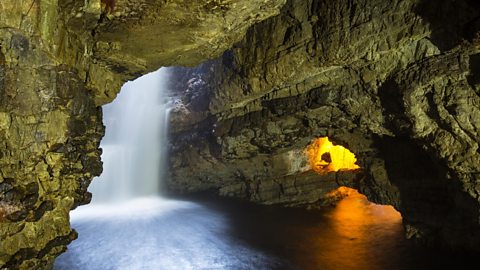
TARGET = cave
(258,90)
(325,157)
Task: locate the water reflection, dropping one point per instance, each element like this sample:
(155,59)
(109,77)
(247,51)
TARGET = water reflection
(215,233)
(155,233)
(355,218)
(359,235)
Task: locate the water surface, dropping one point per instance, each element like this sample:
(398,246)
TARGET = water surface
(214,233)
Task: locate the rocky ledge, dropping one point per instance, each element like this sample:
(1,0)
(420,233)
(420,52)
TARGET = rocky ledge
(394,82)
(59,61)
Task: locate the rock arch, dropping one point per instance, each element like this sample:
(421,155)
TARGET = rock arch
(366,72)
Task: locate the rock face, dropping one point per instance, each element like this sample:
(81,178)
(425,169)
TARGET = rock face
(393,81)
(59,61)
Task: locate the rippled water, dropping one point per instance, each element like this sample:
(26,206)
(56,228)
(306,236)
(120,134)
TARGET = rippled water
(212,233)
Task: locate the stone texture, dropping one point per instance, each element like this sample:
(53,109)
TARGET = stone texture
(440,111)
(60,60)
(143,35)
(50,132)
(395,82)
(392,81)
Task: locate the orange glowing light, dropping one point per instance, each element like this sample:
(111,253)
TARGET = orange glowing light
(354,213)
(325,157)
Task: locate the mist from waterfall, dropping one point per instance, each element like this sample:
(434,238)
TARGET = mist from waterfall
(134,146)
(130,227)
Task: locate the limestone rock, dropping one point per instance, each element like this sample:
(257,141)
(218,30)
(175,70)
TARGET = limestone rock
(392,81)
(59,61)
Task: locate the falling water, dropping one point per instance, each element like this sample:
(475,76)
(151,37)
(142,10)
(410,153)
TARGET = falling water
(134,143)
(128,228)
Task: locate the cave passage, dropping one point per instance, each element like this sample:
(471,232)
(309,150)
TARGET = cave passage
(325,157)
(128,228)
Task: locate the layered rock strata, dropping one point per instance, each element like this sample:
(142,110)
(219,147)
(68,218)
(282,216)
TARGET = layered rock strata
(396,83)
(393,81)
(59,61)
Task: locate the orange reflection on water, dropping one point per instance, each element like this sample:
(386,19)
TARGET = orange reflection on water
(357,231)
(325,157)
(353,213)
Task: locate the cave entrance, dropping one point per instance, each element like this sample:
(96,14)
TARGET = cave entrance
(352,209)
(325,157)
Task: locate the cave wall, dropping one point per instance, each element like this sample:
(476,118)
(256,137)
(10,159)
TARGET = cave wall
(373,76)
(59,61)
(442,111)
(395,82)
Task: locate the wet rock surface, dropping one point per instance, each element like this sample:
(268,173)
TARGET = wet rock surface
(396,83)
(59,61)
(393,82)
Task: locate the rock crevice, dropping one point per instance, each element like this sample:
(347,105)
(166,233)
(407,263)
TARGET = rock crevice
(392,82)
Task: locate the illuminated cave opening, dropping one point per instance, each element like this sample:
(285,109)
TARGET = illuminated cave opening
(325,157)
(353,215)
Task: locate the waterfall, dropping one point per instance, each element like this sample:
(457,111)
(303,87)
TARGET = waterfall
(128,228)
(134,146)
